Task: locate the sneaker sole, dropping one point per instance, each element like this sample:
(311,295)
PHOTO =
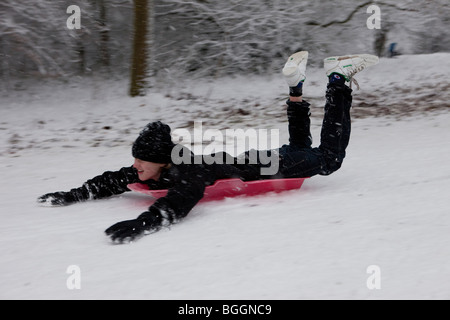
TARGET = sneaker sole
(291,66)
(369,60)
(291,70)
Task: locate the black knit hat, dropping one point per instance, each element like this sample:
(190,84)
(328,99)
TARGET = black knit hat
(154,143)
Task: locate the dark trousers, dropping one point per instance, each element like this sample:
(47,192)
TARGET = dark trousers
(299,159)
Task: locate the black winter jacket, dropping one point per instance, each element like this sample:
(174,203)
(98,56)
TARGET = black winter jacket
(185,182)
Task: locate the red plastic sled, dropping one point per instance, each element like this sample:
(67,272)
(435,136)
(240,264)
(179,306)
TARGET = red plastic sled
(227,188)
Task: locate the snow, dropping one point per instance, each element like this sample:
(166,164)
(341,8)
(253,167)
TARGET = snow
(387,206)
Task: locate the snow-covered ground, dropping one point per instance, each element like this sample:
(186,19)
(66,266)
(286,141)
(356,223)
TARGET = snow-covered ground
(388,206)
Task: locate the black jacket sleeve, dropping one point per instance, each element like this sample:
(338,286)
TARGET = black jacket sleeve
(188,190)
(108,184)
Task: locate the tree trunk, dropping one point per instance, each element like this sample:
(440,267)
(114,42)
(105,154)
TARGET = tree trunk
(379,44)
(139,64)
(104,35)
(81,56)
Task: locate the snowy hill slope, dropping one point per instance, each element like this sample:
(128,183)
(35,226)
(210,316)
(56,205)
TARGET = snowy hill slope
(388,206)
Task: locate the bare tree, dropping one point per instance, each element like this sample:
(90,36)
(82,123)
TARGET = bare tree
(35,39)
(104,34)
(23,37)
(214,37)
(204,37)
(140,61)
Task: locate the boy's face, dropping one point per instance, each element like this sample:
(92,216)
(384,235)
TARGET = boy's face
(148,170)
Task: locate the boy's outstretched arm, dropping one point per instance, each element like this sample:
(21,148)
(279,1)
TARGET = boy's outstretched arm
(178,202)
(102,186)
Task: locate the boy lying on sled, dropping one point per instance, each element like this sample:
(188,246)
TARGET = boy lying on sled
(186,183)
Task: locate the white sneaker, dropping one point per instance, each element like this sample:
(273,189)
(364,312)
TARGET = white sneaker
(349,65)
(294,70)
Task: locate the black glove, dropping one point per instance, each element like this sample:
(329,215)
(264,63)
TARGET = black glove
(57,199)
(129,230)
